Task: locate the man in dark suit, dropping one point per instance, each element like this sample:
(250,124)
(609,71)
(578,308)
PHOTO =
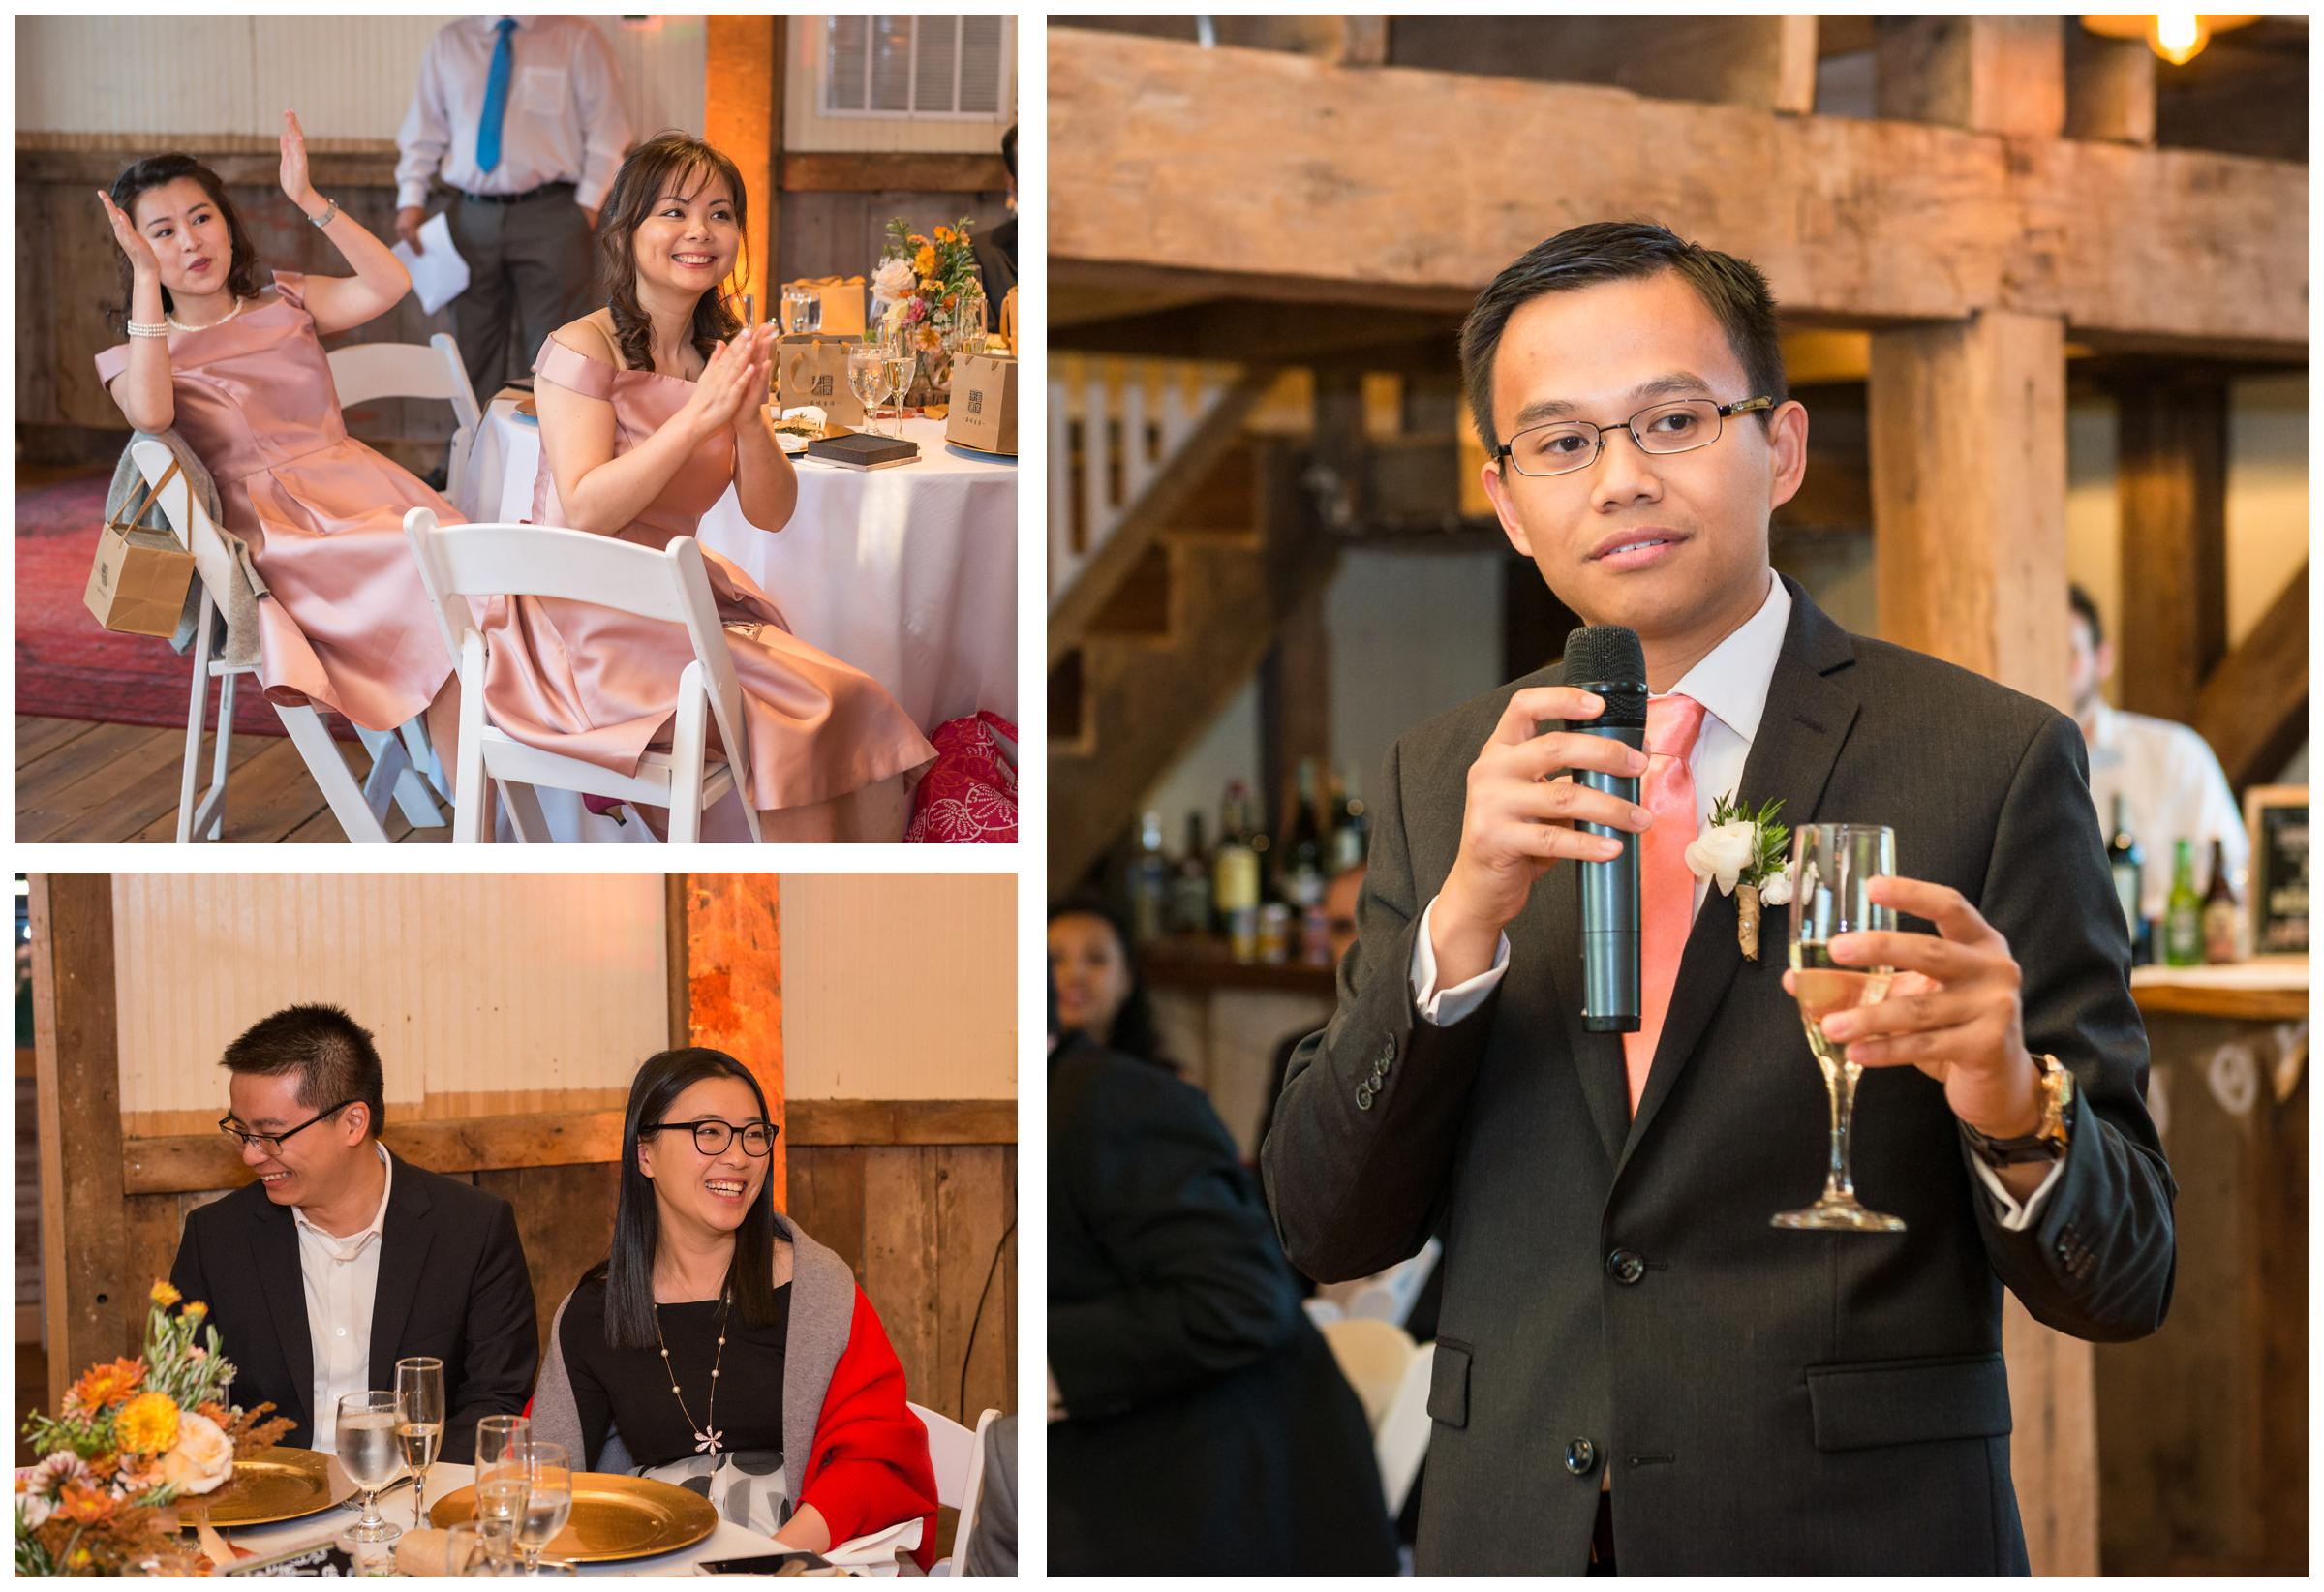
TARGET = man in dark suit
(1633,1367)
(343,1258)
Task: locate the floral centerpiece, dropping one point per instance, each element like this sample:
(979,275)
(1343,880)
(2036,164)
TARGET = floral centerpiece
(130,1440)
(924,284)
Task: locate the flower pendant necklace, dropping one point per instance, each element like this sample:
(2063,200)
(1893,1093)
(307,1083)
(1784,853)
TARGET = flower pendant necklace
(176,324)
(707,1435)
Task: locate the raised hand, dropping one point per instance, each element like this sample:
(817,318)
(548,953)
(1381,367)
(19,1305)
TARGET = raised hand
(142,260)
(724,390)
(296,186)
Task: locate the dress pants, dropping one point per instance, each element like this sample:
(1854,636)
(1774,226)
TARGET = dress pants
(535,262)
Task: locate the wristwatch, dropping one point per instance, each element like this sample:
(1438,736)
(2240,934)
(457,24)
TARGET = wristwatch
(2047,1142)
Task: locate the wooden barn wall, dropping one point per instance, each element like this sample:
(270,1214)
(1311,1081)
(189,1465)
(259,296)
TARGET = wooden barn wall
(841,234)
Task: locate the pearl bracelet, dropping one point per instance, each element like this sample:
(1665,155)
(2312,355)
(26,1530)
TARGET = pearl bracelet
(329,214)
(148,328)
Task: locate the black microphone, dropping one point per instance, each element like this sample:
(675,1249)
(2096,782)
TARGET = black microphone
(1606,660)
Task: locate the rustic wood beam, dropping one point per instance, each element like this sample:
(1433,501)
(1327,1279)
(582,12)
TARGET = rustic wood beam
(2171,481)
(1254,331)
(1764,63)
(819,171)
(2253,707)
(1985,73)
(742,115)
(734,980)
(1295,709)
(1238,167)
(92,1308)
(2109,88)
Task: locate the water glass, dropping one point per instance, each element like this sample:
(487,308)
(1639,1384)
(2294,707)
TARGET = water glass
(548,1498)
(369,1454)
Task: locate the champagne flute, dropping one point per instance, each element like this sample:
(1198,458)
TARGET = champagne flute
(1832,868)
(420,1421)
(496,1433)
(548,1498)
(368,1452)
(502,1489)
(895,372)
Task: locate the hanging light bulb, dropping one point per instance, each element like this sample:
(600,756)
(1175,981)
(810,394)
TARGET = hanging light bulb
(2177,36)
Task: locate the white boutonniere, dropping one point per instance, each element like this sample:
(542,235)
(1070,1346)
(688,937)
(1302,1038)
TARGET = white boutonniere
(1747,858)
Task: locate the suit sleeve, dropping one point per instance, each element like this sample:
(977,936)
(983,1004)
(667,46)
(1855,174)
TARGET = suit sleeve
(869,1468)
(1203,1288)
(1364,1132)
(500,1347)
(2098,1258)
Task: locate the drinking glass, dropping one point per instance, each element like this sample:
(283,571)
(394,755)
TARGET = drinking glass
(548,1498)
(495,1433)
(502,1488)
(1833,867)
(866,379)
(480,1549)
(802,310)
(419,1421)
(369,1454)
(896,379)
(969,324)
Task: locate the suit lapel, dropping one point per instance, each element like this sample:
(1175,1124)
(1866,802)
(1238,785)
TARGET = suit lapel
(402,1253)
(274,1262)
(1807,720)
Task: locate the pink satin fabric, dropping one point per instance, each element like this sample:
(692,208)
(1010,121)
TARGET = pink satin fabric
(595,684)
(1666,883)
(349,625)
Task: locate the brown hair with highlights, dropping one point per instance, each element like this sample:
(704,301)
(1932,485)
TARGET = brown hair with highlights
(669,162)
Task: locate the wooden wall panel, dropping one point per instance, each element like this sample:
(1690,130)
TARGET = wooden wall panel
(565,1219)
(841,234)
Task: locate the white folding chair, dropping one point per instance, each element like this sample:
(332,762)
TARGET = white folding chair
(365,371)
(459,562)
(361,809)
(1373,1356)
(958,1455)
(1401,1441)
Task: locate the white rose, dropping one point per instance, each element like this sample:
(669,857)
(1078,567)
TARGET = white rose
(1777,890)
(894,278)
(1723,854)
(203,1457)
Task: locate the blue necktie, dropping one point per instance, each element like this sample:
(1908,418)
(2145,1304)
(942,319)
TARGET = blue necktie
(496,99)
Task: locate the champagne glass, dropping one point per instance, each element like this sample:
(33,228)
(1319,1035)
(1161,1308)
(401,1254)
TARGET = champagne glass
(896,373)
(496,1433)
(368,1452)
(1832,868)
(502,1489)
(548,1498)
(420,1421)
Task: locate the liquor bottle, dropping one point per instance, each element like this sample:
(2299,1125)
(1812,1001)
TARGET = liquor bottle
(1150,882)
(1351,826)
(2222,913)
(2126,859)
(1234,877)
(2182,915)
(1262,849)
(1304,846)
(1190,884)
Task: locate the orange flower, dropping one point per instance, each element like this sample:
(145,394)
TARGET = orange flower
(164,1295)
(916,240)
(945,234)
(196,1310)
(925,261)
(104,1386)
(85,1506)
(147,1423)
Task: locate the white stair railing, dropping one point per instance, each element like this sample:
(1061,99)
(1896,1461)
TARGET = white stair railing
(1134,416)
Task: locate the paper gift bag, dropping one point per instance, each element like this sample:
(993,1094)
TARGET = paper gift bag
(142,573)
(984,403)
(842,299)
(812,369)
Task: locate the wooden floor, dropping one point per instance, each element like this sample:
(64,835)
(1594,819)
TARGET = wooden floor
(83,782)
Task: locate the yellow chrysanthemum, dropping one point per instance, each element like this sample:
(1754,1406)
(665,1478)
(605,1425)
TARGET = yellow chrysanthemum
(196,1310)
(164,1295)
(147,1423)
(102,1385)
(925,261)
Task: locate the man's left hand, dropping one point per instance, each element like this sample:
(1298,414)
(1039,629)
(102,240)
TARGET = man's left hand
(1953,1009)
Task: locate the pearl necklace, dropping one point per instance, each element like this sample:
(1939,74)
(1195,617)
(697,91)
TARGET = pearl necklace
(176,324)
(707,1435)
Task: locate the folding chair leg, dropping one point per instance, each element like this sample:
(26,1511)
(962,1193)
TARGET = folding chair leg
(330,774)
(415,732)
(688,744)
(394,775)
(194,709)
(525,816)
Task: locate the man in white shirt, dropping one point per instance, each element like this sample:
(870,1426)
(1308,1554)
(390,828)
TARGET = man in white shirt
(341,1258)
(1633,1368)
(2166,775)
(522,118)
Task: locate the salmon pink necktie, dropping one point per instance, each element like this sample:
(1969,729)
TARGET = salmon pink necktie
(1665,884)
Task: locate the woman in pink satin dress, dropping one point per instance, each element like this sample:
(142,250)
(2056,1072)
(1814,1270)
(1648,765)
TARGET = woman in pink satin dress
(239,370)
(649,409)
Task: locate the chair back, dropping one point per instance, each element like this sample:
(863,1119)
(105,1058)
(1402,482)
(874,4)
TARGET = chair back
(213,564)
(957,1456)
(1373,1356)
(364,371)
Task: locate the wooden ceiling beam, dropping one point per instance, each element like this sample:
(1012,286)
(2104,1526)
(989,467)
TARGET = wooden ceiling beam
(1763,63)
(1985,73)
(1243,167)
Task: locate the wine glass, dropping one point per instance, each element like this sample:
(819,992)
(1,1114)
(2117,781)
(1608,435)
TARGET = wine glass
(802,310)
(548,1499)
(496,1433)
(969,324)
(896,379)
(864,378)
(1832,868)
(420,1421)
(369,1454)
(480,1549)
(502,1489)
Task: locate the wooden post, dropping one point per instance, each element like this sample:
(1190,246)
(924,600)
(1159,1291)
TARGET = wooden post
(93,1309)
(2109,88)
(742,115)
(1983,74)
(734,979)
(2171,472)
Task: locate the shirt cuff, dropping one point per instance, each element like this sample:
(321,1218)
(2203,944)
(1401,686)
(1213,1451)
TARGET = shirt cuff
(1443,1008)
(2012,1218)
(590,192)
(411,196)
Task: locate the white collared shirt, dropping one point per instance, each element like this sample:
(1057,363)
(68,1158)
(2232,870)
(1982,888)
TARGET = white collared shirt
(342,1278)
(2170,779)
(565,120)
(1731,681)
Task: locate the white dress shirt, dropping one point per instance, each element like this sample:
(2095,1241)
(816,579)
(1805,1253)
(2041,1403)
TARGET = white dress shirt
(1730,682)
(564,123)
(342,1275)
(2176,790)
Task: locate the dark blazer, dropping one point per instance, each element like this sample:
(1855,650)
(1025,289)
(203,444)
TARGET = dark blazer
(1767,1402)
(452,1284)
(1212,1430)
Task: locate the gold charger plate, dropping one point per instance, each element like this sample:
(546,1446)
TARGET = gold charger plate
(276,1484)
(614,1518)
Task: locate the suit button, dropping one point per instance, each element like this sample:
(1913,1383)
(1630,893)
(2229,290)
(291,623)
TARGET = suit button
(1581,1457)
(1387,1053)
(1364,1098)
(1626,1266)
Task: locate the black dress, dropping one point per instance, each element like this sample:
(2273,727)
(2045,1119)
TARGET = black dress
(626,1390)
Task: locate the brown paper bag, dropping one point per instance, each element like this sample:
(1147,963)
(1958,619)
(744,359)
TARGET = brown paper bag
(842,299)
(812,369)
(138,582)
(984,403)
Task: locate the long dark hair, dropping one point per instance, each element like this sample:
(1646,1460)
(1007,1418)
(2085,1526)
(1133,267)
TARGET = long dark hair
(662,161)
(159,171)
(629,1271)
(1134,1031)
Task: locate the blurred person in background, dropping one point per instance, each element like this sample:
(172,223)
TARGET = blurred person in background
(1101,994)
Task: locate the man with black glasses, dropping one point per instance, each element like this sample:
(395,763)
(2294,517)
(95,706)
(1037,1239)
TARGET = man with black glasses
(341,1258)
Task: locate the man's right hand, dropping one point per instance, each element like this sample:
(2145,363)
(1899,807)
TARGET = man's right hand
(407,226)
(1517,821)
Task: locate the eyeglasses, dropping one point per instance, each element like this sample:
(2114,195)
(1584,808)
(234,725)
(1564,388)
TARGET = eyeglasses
(1563,446)
(271,1143)
(712,1136)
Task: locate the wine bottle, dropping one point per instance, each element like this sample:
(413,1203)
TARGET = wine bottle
(2126,859)
(2222,913)
(1352,828)
(1190,884)
(2183,914)
(1304,846)
(1234,876)
(1150,882)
